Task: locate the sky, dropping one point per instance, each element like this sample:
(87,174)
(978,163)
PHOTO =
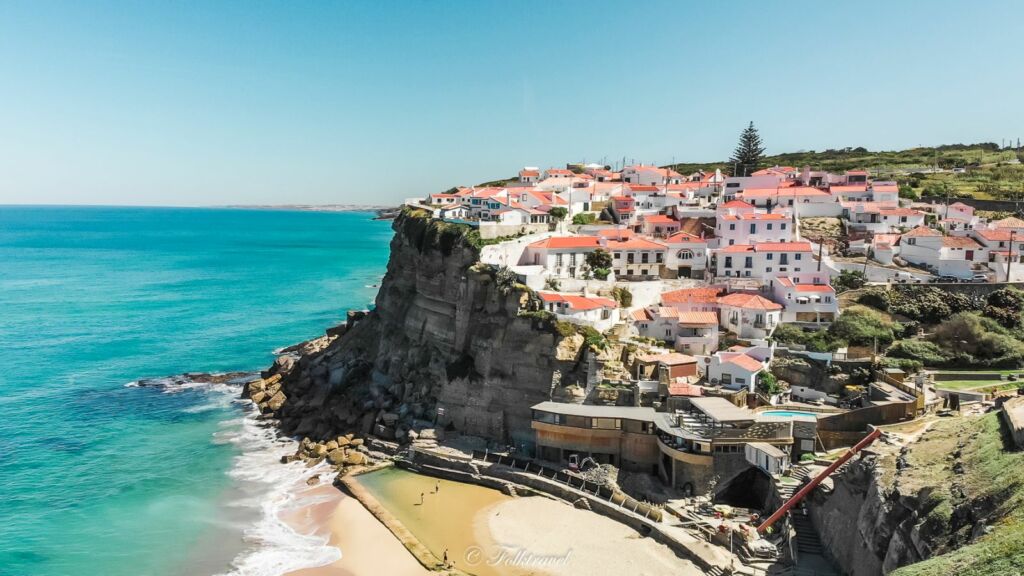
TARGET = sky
(207,103)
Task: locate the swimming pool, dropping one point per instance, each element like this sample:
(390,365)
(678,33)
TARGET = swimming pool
(788,413)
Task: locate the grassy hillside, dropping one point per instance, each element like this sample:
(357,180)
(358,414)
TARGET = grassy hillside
(992,173)
(982,480)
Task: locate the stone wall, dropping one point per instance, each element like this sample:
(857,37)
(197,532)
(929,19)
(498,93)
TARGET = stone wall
(1013,415)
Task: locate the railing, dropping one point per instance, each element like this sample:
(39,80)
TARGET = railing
(597,490)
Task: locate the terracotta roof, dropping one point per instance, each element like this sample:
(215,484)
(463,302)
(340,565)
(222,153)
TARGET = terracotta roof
(660,219)
(814,288)
(703,318)
(691,295)
(1011,222)
(748,363)
(791,191)
(559,171)
(769,247)
(568,242)
(641,315)
(635,243)
(922,231)
(639,188)
(525,173)
(849,188)
(959,242)
(751,301)
(736,204)
(579,302)
(999,235)
(900,212)
(772,216)
(683,237)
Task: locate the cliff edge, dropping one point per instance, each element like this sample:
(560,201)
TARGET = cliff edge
(445,342)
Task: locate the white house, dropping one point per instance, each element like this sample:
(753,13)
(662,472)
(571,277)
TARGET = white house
(1005,249)
(753,227)
(703,299)
(686,255)
(529,175)
(735,370)
(805,201)
(814,302)
(561,256)
(763,261)
(735,185)
(879,218)
(767,457)
(945,255)
(650,175)
(749,316)
(658,225)
(636,258)
(601,313)
(689,332)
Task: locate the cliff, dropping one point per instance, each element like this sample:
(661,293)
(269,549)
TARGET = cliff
(947,502)
(446,333)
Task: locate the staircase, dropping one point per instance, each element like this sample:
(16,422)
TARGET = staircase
(807,541)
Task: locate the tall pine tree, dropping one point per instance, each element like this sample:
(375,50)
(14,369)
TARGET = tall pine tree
(748,153)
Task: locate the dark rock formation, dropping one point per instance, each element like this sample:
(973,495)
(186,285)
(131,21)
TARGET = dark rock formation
(444,342)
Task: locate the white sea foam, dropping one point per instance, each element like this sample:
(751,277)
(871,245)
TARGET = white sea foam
(263,484)
(276,548)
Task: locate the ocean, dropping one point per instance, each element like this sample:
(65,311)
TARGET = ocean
(100,476)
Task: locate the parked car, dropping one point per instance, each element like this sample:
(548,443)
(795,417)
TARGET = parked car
(979,278)
(904,277)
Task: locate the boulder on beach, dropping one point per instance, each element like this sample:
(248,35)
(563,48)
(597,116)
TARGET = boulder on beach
(336,456)
(277,401)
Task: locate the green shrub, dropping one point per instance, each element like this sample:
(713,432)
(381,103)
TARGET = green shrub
(862,326)
(876,298)
(584,218)
(565,329)
(592,338)
(928,353)
(623,296)
(849,280)
(972,339)
(602,273)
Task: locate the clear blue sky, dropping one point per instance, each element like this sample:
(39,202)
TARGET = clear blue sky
(186,103)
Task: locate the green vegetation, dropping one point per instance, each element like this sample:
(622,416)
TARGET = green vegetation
(623,296)
(856,326)
(990,486)
(600,263)
(584,218)
(849,280)
(767,383)
(749,152)
(991,172)
(558,213)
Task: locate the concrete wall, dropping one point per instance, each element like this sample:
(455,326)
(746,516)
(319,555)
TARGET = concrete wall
(490,230)
(1013,414)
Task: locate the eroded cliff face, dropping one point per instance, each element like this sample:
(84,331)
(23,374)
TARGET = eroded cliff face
(902,505)
(443,335)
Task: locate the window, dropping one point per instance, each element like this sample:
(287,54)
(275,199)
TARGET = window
(828,299)
(605,423)
(769,226)
(728,261)
(753,228)
(797,256)
(769,256)
(630,258)
(768,269)
(783,259)
(740,380)
(782,226)
(732,226)
(618,255)
(644,257)
(684,254)
(748,262)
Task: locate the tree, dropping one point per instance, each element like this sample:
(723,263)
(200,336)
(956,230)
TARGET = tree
(849,280)
(558,213)
(599,259)
(584,218)
(748,153)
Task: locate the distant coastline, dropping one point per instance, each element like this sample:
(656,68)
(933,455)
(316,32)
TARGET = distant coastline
(383,212)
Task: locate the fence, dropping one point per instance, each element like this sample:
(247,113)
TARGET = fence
(592,488)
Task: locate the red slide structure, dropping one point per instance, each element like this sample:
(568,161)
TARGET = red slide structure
(818,479)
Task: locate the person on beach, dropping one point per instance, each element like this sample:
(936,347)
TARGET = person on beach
(422,494)
(437,487)
(445,557)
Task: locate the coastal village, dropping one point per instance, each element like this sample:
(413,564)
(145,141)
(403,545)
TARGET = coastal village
(738,357)
(681,281)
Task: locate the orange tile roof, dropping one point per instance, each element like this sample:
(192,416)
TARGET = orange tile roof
(736,204)
(702,318)
(579,302)
(683,237)
(791,191)
(635,243)
(959,242)
(670,359)
(691,296)
(769,247)
(922,231)
(772,216)
(623,233)
(684,389)
(660,219)
(751,301)
(568,242)
(999,235)
(641,315)
(748,363)
(814,288)
(1010,222)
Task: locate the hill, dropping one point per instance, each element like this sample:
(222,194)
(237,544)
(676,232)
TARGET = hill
(990,172)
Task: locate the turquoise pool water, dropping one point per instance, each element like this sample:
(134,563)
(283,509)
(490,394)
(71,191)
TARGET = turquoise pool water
(787,413)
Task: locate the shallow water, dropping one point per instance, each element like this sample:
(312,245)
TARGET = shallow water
(100,478)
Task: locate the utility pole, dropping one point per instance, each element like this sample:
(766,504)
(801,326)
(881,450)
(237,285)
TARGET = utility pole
(1009,259)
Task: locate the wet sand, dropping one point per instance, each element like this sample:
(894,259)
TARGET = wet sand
(368,548)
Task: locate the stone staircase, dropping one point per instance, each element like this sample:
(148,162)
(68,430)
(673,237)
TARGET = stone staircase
(807,540)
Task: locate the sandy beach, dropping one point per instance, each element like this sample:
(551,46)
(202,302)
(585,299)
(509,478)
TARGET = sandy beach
(555,538)
(506,536)
(368,548)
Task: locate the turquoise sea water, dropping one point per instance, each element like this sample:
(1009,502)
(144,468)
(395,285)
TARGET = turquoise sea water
(100,478)
(788,413)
